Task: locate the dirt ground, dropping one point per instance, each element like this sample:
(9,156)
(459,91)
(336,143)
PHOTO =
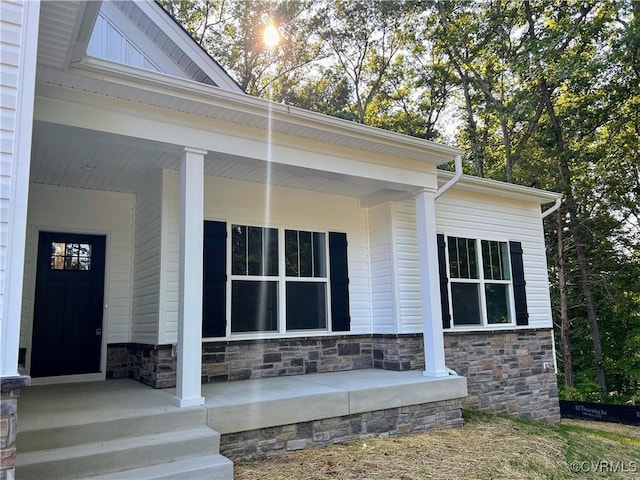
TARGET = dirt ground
(486,448)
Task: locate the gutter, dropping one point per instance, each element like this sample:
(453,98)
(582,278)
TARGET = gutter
(453,180)
(555,207)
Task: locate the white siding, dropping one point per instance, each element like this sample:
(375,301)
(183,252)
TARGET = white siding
(170,255)
(146,267)
(256,204)
(494,219)
(11,24)
(383,301)
(18,46)
(410,306)
(72,210)
(109,43)
(474,216)
(116,38)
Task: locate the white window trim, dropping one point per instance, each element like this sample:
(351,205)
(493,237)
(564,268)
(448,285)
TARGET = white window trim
(481,282)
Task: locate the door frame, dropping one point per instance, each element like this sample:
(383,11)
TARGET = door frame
(33,239)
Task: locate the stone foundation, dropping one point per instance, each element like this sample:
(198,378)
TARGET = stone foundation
(10,392)
(506,372)
(155,365)
(252,359)
(118,360)
(398,352)
(272,441)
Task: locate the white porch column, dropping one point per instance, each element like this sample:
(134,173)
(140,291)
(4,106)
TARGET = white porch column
(189,351)
(430,285)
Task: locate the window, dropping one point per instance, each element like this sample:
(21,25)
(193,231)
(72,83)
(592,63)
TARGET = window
(70,256)
(306,284)
(259,273)
(480,282)
(254,284)
(280,281)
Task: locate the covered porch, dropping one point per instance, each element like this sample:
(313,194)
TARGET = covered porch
(99,156)
(82,429)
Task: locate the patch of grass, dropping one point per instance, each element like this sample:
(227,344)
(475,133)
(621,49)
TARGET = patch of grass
(591,430)
(488,447)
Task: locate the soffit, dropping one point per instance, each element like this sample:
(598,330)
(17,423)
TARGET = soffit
(79,158)
(59,25)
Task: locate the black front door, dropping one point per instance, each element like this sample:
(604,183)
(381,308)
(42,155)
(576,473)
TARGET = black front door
(67,321)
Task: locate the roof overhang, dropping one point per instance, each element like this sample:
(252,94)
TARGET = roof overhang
(485,186)
(185,96)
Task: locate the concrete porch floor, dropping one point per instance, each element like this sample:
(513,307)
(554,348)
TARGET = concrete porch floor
(240,405)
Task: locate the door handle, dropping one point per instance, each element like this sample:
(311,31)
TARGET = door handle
(98,332)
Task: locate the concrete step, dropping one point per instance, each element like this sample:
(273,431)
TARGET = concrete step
(209,467)
(102,457)
(87,431)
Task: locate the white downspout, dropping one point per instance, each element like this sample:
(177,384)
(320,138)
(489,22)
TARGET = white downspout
(440,191)
(546,213)
(453,180)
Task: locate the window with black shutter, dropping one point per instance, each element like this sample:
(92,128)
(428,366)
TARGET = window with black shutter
(281,280)
(482,281)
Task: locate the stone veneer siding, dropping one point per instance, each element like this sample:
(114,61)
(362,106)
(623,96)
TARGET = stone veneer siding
(250,359)
(118,360)
(398,352)
(155,365)
(272,441)
(505,372)
(10,392)
(504,369)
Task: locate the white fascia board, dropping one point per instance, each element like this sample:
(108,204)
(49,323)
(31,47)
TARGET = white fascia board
(82,31)
(258,107)
(486,186)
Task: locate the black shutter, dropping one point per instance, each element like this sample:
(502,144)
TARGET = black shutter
(519,290)
(339,279)
(444,282)
(214,288)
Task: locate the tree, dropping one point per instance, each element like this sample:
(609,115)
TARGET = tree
(232,32)
(481,42)
(366,39)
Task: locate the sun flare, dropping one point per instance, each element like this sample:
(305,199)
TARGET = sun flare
(271,36)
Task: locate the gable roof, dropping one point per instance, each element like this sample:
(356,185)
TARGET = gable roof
(159,43)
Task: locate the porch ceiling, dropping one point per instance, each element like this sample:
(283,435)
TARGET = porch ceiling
(75,157)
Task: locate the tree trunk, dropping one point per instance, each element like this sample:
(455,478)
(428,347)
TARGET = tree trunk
(476,152)
(565,340)
(575,223)
(506,139)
